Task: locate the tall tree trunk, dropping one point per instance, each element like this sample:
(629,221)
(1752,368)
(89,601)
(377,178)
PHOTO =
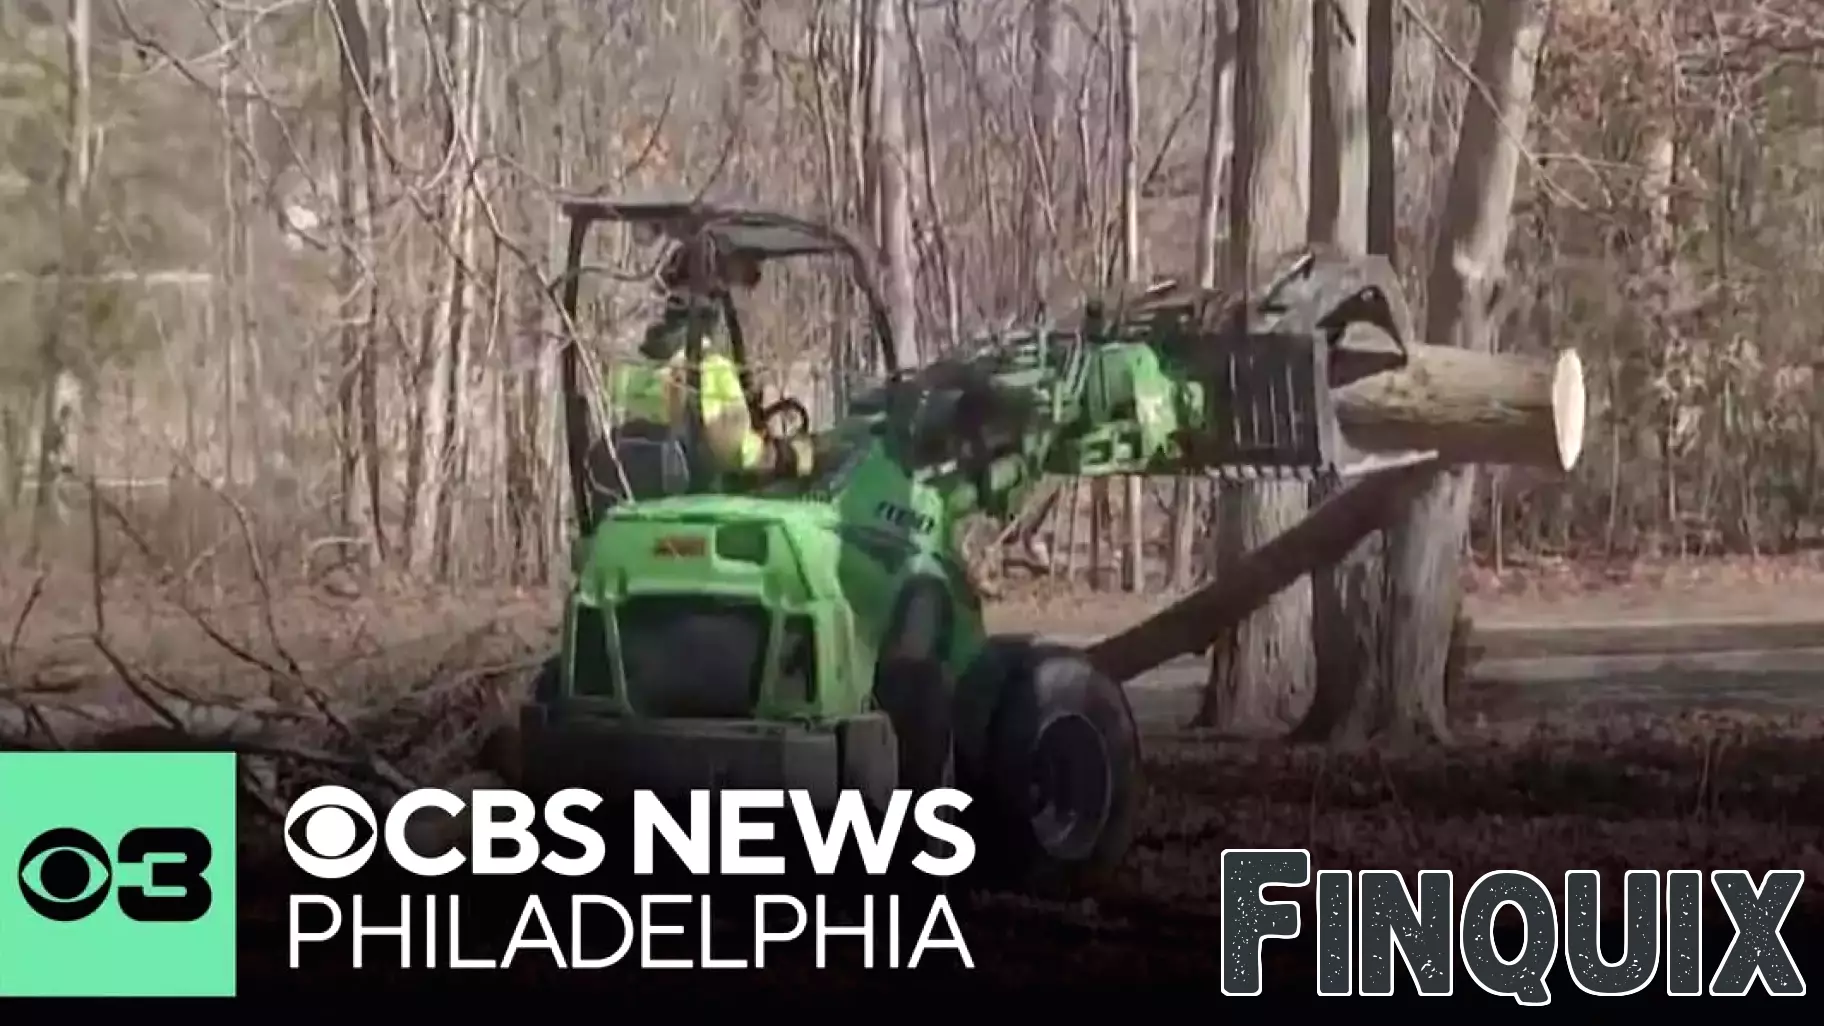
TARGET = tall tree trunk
(1132,260)
(1383,181)
(1425,551)
(1219,146)
(459,396)
(1339,126)
(1346,598)
(234,236)
(54,409)
(435,370)
(358,401)
(738,103)
(931,185)
(1218,150)
(1655,262)
(519,453)
(1260,674)
(534,506)
(245,282)
(1035,213)
(1424,104)
(354,334)
(898,258)
(873,83)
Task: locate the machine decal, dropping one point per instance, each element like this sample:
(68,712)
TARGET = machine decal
(905,519)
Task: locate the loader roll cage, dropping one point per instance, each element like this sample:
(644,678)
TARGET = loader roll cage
(701,232)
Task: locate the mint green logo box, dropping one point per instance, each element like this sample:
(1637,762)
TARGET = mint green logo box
(106,795)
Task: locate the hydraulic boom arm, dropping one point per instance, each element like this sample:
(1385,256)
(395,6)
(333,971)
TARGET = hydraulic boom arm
(1316,376)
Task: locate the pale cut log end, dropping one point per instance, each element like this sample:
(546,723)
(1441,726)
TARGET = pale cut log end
(1569,403)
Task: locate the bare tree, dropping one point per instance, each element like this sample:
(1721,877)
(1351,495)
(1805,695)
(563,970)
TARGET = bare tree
(1035,215)
(1218,150)
(898,256)
(1425,551)
(439,372)
(1678,232)
(357,400)
(935,214)
(78,167)
(1261,672)
(462,289)
(1346,599)
(1132,259)
(1381,50)
(1339,125)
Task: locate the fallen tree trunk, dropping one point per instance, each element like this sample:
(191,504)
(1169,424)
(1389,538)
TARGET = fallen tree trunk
(1470,407)
(1321,539)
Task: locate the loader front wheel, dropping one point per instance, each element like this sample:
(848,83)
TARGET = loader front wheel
(1063,785)
(915,696)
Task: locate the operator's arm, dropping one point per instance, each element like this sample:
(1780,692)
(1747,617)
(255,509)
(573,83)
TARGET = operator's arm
(732,439)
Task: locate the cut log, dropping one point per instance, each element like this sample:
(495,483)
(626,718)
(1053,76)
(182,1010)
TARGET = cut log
(1470,407)
(1321,539)
(1461,405)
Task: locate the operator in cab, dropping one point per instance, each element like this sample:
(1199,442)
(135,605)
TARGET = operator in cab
(655,437)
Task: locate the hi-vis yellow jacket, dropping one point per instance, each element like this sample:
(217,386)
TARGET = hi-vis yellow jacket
(643,390)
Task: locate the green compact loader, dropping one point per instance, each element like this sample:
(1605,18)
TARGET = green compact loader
(813,626)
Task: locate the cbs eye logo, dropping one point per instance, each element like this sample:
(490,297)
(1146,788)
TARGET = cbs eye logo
(66,875)
(330,832)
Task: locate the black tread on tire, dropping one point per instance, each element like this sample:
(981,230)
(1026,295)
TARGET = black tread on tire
(1062,738)
(915,695)
(917,698)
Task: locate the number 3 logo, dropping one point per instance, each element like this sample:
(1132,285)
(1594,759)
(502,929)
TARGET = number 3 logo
(65,875)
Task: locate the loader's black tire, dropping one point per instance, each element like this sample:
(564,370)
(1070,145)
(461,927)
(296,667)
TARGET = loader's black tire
(914,689)
(915,695)
(1060,776)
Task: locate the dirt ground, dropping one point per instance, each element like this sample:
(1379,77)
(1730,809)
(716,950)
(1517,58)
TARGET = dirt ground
(1585,788)
(1640,795)
(1648,792)
(1689,791)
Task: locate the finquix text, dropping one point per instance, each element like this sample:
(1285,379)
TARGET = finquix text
(1367,918)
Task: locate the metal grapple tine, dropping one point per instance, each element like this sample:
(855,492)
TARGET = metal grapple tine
(1275,416)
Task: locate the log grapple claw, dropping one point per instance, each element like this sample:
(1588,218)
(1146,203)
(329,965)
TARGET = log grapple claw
(1278,421)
